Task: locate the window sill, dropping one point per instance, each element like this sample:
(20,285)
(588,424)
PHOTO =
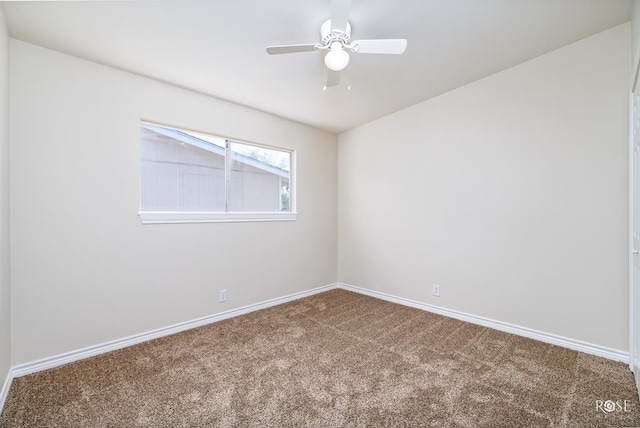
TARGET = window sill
(164,217)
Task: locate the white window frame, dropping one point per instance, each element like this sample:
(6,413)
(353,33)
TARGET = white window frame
(171,217)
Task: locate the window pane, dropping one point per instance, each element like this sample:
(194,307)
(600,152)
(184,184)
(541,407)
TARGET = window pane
(189,176)
(181,171)
(259,179)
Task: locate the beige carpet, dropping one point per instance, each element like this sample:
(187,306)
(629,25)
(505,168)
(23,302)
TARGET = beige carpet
(331,360)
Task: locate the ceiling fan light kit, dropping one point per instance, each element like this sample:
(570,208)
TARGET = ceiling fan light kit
(335,34)
(337,58)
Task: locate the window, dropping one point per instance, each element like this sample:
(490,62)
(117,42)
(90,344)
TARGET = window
(188,176)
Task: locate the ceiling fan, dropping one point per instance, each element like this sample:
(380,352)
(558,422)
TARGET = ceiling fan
(335,36)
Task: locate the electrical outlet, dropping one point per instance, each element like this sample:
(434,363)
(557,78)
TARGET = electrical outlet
(223,295)
(436,290)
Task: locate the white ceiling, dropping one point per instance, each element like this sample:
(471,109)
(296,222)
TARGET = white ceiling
(217,47)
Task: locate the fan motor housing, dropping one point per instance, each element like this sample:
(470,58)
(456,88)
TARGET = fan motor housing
(329,36)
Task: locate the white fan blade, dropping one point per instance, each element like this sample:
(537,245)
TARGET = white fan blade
(383,46)
(340,15)
(333,78)
(285,49)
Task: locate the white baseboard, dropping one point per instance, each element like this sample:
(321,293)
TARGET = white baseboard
(68,357)
(576,345)
(4,392)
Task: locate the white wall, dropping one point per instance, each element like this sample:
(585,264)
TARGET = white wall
(5,283)
(510,192)
(85,270)
(634,307)
(635,36)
